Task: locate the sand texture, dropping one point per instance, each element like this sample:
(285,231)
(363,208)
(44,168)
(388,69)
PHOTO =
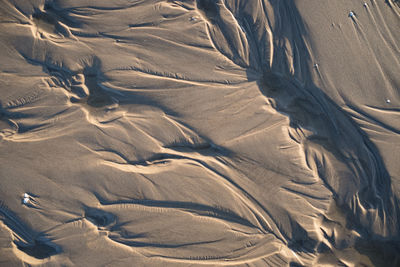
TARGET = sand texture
(199,133)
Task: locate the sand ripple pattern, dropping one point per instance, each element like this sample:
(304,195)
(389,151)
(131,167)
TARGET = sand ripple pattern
(184,132)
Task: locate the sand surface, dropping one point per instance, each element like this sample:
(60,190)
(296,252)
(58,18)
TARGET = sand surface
(199,133)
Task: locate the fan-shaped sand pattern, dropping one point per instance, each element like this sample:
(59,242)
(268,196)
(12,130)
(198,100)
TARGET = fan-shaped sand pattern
(217,228)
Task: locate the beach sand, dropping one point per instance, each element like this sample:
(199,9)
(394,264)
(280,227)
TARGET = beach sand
(199,133)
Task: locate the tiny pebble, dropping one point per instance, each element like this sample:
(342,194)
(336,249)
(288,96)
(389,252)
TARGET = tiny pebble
(351,14)
(387,100)
(365,4)
(26,200)
(193,19)
(26,195)
(316,65)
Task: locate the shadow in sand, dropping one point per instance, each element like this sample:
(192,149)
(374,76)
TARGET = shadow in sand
(335,147)
(27,240)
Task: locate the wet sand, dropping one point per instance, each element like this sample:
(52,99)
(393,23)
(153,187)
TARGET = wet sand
(199,133)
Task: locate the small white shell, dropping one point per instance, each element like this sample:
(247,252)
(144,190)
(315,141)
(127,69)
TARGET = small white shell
(351,14)
(26,195)
(387,100)
(26,200)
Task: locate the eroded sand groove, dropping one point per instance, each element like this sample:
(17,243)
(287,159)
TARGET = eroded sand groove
(161,185)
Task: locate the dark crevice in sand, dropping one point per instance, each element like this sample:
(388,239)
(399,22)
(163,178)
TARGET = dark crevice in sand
(38,249)
(207,148)
(47,23)
(300,240)
(51,13)
(381,253)
(52,24)
(210,9)
(27,240)
(156,159)
(99,217)
(86,86)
